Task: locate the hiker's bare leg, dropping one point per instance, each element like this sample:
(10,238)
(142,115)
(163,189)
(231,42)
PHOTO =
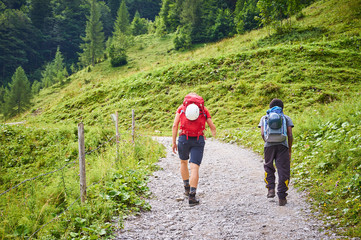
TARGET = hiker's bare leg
(184,169)
(193,181)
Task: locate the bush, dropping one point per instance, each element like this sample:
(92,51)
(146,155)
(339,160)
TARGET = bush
(117,56)
(300,16)
(182,39)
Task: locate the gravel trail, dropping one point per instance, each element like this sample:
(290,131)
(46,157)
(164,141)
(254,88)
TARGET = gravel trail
(233,202)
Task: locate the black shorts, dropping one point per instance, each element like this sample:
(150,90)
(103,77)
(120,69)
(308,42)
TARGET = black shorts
(193,146)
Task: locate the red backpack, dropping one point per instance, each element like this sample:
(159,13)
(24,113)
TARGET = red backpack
(196,127)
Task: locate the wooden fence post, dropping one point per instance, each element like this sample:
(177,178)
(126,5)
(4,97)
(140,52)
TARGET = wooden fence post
(117,132)
(133,124)
(82,162)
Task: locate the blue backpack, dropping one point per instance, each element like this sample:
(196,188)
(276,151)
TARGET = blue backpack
(275,129)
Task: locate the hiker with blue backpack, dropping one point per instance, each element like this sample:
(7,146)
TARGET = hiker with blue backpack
(192,117)
(276,130)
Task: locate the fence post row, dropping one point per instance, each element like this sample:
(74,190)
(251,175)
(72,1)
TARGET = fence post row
(82,162)
(82,151)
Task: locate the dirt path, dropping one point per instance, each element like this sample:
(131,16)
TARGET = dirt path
(233,202)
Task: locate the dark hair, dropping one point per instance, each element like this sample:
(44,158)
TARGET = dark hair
(276,102)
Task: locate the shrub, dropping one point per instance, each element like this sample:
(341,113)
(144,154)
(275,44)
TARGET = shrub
(182,39)
(300,16)
(117,56)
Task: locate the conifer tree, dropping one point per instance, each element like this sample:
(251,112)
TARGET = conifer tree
(39,11)
(68,21)
(58,67)
(170,13)
(191,17)
(161,29)
(55,71)
(121,25)
(164,13)
(272,12)
(245,14)
(93,46)
(19,44)
(17,96)
(266,11)
(139,25)
(121,35)
(224,26)
(35,87)
(47,76)
(114,7)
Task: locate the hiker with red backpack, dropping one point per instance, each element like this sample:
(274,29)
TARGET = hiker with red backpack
(192,116)
(276,131)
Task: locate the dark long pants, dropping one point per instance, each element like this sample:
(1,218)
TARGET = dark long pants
(280,155)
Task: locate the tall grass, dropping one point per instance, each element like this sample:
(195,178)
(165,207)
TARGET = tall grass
(115,186)
(327,161)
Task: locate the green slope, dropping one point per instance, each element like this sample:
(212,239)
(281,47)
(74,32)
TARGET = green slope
(315,67)
(315,62)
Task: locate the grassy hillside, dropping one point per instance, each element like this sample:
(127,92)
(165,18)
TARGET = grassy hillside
(314,67)
(316,62)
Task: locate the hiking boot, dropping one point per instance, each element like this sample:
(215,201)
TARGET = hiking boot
(282,201)
(192,200)
(271,193)
(187,189)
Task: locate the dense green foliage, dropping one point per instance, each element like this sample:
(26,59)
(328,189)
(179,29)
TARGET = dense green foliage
(31,31)
(19,44)
(115,187)
(212,20)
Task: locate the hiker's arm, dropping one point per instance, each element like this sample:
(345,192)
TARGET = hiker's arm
(211,126)
(262,133)
(175,132)
(290,140)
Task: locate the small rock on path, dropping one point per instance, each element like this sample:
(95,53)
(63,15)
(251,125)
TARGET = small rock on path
(233,203)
